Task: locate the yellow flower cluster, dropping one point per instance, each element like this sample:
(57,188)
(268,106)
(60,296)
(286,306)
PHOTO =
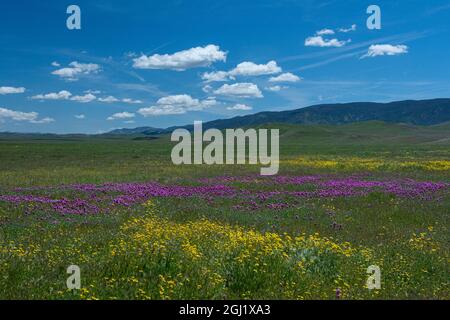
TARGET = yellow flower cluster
(19,250)
(424,242)
(369,164)
(213,250)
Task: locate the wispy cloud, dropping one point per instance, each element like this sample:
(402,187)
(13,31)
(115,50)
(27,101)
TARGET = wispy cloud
(352,50)
(399,39)
(11,90)
(438,9)
(121,116)
(240,107)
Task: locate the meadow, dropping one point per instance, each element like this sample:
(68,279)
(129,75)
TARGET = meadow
(347,197)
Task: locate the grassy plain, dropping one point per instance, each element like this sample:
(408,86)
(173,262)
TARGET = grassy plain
(248,243)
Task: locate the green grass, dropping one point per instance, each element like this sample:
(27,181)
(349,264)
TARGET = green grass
(379,223)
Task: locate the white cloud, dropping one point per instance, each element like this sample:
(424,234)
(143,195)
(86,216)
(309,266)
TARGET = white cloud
(76,69)
(240,107)
(62,95)
(177,104)
(131,101)
(32,117)
(274,88)
(252,69)
(18,115)
(216,76)
(246,68)
(207,89)
(182,60)
(244,90)
(285,77)
(56,64)
(161,110)
(319,41)
(112,99)
(84,99)
(121,116)
(65,95)
(93,91)
(43,121)
(109,99)
(324,32)
(80,116)
(182,100)
(11,90)
(385,49)
(209,102)
(345,30)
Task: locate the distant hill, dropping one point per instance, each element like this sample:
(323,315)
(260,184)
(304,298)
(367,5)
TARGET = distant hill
(140,130)
(434,113)
(294,137)
(416,112)
(423,112)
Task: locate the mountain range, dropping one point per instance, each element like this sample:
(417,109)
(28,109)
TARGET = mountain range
(416,112)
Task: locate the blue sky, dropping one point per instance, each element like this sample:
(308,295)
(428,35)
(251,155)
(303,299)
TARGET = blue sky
(163,63)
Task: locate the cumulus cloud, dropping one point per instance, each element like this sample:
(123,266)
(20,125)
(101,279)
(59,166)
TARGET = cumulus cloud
(121,116)
(11,90)
(85,98)
(285,77)
(80,116)
(109,99)
(240,107)
(345,30)
(76,69)
(56,64)
(32,117)
(177,104)
(385,50)
(252,69)
(319,41)
(243,90)
(216,76)
(65,95)
(246,68)
(182,60)
(62,95)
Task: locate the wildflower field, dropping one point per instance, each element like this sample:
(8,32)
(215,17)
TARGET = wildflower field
(139,227)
